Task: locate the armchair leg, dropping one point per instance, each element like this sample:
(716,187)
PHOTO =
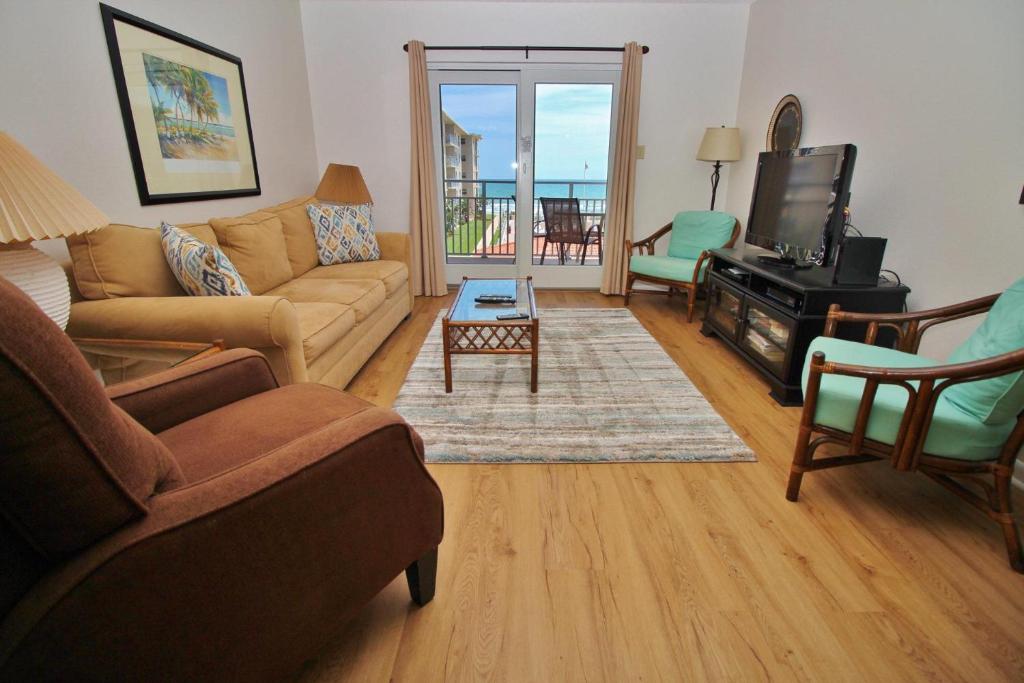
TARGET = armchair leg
(422,577)
(801,459)
(630,278)
(691,301)
(1011,532)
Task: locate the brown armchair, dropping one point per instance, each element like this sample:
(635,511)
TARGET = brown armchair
(199,524)
(879,403)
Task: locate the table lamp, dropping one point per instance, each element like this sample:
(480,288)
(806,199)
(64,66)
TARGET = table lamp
(35,204)
(718,145)
(343,185)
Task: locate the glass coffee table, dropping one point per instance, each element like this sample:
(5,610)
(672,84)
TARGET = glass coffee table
(472,327)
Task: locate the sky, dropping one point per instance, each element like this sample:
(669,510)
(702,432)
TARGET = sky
(572,124)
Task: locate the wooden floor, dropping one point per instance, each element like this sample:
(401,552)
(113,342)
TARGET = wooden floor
(685,571)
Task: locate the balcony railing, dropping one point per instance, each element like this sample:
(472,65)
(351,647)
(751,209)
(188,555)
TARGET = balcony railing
(480,224)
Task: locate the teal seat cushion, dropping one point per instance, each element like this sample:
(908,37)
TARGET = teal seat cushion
(953,432)
(695,231)
(666,267)
(998,399)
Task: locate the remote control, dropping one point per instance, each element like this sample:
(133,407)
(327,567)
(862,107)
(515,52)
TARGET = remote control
(494,299)
(512,316)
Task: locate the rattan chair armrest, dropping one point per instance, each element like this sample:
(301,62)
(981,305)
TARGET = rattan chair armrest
(972,370)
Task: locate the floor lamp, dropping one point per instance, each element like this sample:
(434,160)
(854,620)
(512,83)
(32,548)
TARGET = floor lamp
(718,145)
(35,204)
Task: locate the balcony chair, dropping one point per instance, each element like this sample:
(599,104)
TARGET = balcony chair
(201,524)
(563,226)
(693,235)
(949,421)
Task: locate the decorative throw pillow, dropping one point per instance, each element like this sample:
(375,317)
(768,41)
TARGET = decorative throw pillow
(344,233)
(201,269)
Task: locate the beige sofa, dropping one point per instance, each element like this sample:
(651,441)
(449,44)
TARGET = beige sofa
(313,323)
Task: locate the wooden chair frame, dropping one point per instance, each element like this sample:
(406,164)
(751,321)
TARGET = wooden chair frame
(690,286)
(907,453)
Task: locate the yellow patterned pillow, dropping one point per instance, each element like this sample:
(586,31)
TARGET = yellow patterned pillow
(344,233)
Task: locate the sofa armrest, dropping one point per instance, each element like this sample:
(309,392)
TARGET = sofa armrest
(395,246)
(265,323)
(246,573)
(168,398)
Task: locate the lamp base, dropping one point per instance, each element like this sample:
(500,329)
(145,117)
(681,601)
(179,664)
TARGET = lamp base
(39,276)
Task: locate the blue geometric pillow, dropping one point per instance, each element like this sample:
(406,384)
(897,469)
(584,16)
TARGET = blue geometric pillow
(344,233)
(202,269)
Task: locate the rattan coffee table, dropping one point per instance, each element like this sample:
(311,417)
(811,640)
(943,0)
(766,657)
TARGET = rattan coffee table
(471,327)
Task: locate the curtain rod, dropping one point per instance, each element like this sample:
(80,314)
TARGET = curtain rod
(526,48)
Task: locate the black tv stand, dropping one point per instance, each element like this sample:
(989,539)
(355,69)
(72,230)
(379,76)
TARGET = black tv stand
(769,315)
(783,262)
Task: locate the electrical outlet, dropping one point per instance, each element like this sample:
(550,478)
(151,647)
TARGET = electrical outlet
(641,151)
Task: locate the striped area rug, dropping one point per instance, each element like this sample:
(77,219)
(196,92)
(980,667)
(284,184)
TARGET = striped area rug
(608,392)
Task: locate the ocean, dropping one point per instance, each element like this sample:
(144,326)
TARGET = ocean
(498,189)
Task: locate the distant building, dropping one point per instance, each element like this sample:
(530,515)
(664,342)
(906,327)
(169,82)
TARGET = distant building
(460,158)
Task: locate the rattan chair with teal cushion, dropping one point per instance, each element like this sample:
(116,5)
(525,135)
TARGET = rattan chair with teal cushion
(693,235)
(951,421)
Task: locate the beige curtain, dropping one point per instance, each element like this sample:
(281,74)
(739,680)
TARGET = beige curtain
(427,274)
(623,187)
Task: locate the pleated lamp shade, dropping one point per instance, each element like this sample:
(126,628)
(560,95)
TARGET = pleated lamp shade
(35,204)
(343,185)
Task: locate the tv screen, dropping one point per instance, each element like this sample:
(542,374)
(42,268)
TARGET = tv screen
(795,209)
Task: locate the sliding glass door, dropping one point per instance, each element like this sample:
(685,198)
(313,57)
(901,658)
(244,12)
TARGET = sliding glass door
(523,158)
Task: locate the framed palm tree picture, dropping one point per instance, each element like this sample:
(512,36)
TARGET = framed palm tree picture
(185,113)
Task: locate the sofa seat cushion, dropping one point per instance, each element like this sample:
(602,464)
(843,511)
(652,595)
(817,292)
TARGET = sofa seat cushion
(322,325)
(245,430)
(393,274)
(665,267)
(364,296)
(953,432)
(255,244)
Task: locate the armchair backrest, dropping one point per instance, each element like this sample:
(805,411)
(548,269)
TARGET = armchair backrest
(73,466)
(999,399)
(695,231)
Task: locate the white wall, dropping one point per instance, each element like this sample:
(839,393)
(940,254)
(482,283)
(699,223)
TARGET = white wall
(359,82)
(59,99)
(930,92)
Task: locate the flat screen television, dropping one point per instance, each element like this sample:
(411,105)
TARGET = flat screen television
(797,207)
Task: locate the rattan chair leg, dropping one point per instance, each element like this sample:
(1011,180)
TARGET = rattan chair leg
(630,279)
(801,460)
(1011,531)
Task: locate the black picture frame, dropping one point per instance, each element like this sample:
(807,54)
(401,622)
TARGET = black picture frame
(147,193)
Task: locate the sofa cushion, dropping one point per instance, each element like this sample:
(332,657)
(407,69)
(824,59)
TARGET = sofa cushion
(695,231)
(364,296)
(298,233)
(665,267)
(255,244)
(953,432)
(998,399)
(322,325)
(344,233)
(393,274)
(201,269)
(124,260)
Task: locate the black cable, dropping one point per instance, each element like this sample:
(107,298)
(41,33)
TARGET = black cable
(851,226)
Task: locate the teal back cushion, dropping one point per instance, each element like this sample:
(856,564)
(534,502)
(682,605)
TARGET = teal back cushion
(999,399)
(695,231)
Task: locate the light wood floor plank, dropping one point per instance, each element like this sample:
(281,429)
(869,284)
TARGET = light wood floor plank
(615,572)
